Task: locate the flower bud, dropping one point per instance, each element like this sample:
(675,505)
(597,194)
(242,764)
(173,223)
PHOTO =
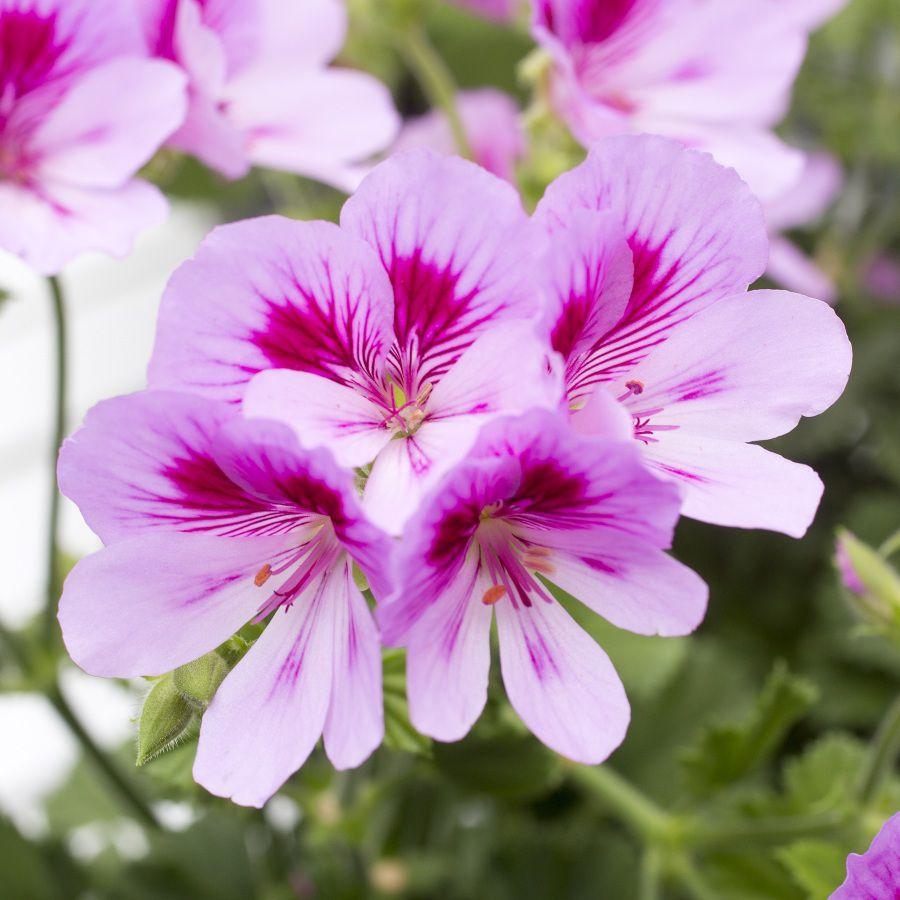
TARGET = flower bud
(165,718)
(872,584)
(199,680)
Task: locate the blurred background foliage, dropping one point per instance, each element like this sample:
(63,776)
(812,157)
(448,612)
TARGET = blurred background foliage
(767,713)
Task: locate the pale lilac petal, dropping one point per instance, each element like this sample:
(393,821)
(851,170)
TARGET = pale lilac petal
(448,658)
(602,415)
(790,267)
(739,485)
(499,10)
(99,135)
(146,462)
(322,413)
(492,124)
(811,194)
(459,251)
(631,584)
(812,14)
(355,724)
(875,874)
(746,369)
(270,711)
(696,233)
(315,123)
(273,293)
(560,682)
(147,604)
(310,33)
(50,228)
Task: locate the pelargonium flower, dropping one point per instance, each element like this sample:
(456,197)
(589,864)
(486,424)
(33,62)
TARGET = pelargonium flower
(810,197)
(211,521)
(714,74)
(875,874)
(260,89)
(491,122)
(390,339)
(534,504)
(80,112)
(499,10)
(653,248)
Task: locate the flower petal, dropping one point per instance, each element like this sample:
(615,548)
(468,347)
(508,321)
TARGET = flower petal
(740,485)
(268,714)
(746,369)
(321,412)
(273,293)
(459,251)
(560,682)
(633,585)
(355,724)
(147,604)
(696,233)
(791,267)
(448,658)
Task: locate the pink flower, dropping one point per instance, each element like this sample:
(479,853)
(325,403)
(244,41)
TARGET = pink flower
(653,247)
(874,875)
(80,113)
(390,339)
(534,503)
(816,189)
(260,92)
(210,521)
(491,122)
(499,10)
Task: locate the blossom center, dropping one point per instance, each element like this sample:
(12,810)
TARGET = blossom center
(405,416)
(511,562)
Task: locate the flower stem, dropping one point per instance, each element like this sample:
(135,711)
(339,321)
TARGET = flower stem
(637,810)
(53,579)
(650,887)
(764,831)
(434,78)
(882,755)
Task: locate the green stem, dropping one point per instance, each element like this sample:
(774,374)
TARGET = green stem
(650,887)
(890,546)
(637,810)
(685,871)
(882,755)
(53,691)
(53,579)
(435,80)
(764,831)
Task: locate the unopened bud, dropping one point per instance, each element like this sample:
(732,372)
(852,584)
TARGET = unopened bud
(199,680)
(872,584)
(165,717)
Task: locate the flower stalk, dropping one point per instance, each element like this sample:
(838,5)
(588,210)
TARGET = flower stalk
(882,755)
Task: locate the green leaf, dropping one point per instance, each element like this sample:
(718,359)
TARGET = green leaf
(726,753)
(165,718)
(817,867)
(825,775)
(399,733)
(199,680)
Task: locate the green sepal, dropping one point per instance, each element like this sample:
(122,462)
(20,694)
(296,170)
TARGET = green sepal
(165,718)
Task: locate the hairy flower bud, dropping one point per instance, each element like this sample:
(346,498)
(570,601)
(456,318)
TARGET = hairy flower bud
(872,583)
(165,718)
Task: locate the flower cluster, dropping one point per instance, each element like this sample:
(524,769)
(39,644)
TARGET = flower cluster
(484,414)
(90,89)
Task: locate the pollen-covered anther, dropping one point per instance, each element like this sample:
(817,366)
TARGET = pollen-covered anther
(425,393)
(262,576)
(538,564)
(493,594)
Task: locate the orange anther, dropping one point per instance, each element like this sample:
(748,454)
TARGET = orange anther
(493,594)
(262,576)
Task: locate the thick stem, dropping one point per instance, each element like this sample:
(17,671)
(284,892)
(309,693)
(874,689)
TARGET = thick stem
(53,579)
(882,755)
(435,80)
(650,886)
(764,831)
(638,811)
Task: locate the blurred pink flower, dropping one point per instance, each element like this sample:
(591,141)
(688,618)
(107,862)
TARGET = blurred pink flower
(874,875)
(260,89)
(713,74)
(533,502)
(491,122)
(390,339)
(499,10)
(211,521)
(882,278)
(849,576)
(80,112)
(652,249)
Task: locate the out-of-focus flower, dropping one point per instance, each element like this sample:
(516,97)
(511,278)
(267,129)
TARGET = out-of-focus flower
(713,74)
(872,584)
(209,521)
(810,197)
(389,340)
(80,112)
(875,874)
(652,249)
(490,119)
(499,10)
(882,278)
(260,89)
(533,503)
